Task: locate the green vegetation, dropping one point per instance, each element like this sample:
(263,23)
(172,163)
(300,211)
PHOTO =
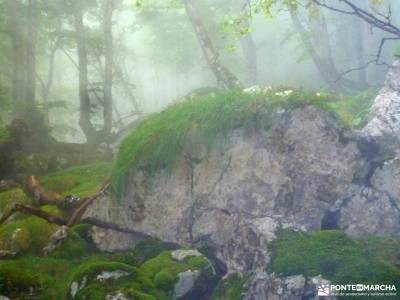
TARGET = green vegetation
(397,51)
(13,196)
(232,288)
(28,235)
(81,180)
(4,135)
(337,257)
(51,277)
(160,139)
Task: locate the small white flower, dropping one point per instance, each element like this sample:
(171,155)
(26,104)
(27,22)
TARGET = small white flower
(318,94)
(284,93)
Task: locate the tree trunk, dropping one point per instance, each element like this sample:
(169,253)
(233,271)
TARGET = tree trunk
(323,61)
(84,100)
(250,56)
(31,54)
(224,76)
(108,65)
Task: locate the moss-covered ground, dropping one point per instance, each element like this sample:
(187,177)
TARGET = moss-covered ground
(337,257)
(51,277)
(159,140)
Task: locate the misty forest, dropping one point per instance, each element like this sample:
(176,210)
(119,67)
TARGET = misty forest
(199,149)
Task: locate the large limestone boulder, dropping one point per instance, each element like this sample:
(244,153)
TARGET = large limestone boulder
(234,198)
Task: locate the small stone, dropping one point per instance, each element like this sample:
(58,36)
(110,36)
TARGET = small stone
(5,254)
(56,240)
(116,296)
(185,284)
(180,255)
(106,275)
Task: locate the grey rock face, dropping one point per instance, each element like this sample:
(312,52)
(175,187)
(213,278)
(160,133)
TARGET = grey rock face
(111,240)
(77,286)
(185,284)
(234,198)
(386,123)
(367,210)
(56,240)
(387,179)
(117,296)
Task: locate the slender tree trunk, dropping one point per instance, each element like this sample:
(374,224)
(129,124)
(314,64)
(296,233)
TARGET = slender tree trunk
(324,63)
(84,100)
(250,56)
(108,65)
(31,54)
(15,27)
(224,76)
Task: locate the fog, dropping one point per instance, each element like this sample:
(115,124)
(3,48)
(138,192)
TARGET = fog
(158,60)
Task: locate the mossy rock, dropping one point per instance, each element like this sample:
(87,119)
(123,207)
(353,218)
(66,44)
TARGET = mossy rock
(74,247)
(46,277)
(158,142)
(337,257)
(11,197)
(26,236)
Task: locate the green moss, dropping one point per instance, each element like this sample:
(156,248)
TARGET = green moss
(73,247)
(81,180)
(28,235)
(164,280)
(159,141)
(47,276)
(94,266)
(4,134)
(163,270)
(232,288)
(150,248)
(10,197)
(337,257)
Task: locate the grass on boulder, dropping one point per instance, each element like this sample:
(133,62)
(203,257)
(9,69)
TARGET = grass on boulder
(159,140)
(337,257)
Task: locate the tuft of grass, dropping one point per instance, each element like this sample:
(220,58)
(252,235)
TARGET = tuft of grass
(337,257)
(232,288)
(82,180)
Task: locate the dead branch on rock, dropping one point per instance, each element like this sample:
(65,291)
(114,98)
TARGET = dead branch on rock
(78,213)
(54,198)
(40,195)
